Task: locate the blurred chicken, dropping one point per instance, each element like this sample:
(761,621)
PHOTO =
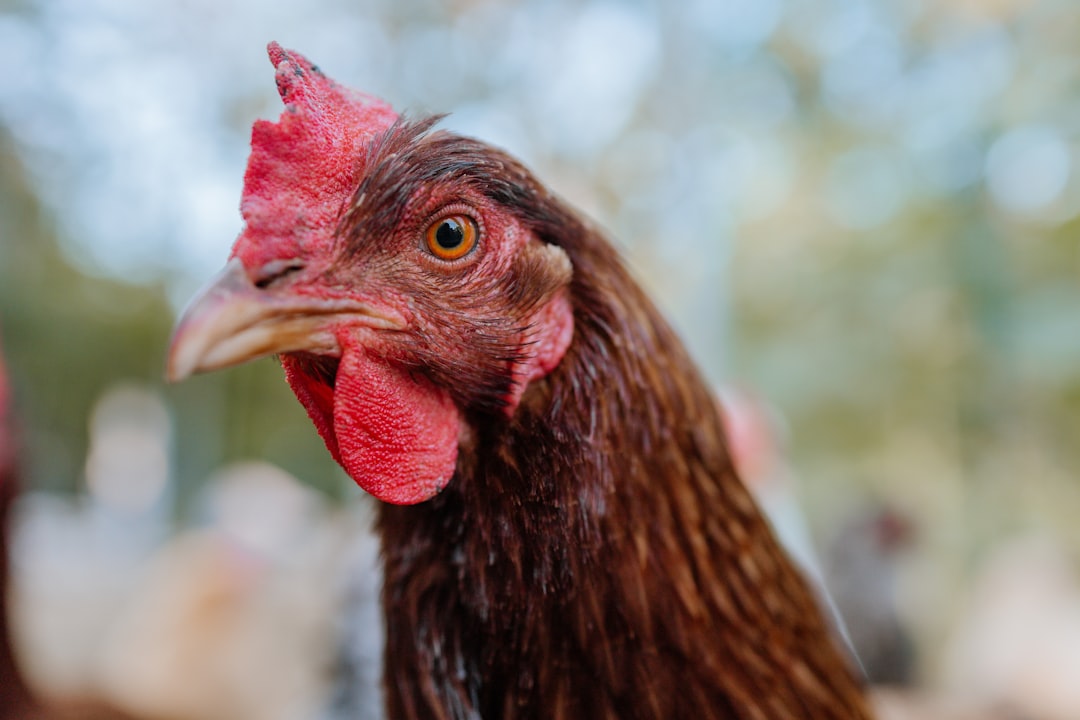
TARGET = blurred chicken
(218,623)
(113,621)
(14,697)
(861,566)
(223,625)
(17,701)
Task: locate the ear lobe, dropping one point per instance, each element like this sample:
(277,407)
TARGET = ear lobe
(543,273)
(560,267)
(551,329)
(540,270)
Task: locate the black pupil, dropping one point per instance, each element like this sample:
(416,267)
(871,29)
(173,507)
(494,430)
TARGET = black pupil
(450,234)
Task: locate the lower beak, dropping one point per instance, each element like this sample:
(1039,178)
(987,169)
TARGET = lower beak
(232,321)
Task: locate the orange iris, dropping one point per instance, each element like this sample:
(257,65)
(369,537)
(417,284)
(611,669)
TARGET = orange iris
(452,237)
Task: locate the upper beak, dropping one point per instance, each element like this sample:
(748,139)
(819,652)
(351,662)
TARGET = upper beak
(232,321)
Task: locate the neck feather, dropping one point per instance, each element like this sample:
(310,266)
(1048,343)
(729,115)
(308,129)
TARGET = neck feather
(607,507)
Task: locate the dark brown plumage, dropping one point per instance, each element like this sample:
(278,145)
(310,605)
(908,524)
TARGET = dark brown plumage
(596,555)
(568,537)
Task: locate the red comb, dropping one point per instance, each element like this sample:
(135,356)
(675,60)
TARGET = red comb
(303,168)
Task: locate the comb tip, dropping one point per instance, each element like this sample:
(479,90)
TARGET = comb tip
(298,79)
(276,52)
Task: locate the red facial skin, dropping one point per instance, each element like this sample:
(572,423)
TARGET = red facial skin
(395,432)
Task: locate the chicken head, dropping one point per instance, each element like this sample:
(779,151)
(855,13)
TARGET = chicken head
(400,273)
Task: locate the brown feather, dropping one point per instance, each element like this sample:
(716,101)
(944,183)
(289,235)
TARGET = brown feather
(595,556)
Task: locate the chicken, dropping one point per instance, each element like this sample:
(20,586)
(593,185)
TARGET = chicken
(17,702)
(14,696)
(563,533)
(863,562)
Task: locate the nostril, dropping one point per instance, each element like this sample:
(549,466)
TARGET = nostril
(275,270)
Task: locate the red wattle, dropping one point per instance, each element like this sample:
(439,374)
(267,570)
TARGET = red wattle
(317,398)
(397,438)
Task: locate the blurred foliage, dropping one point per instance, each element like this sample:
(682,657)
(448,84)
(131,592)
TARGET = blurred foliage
(68,336)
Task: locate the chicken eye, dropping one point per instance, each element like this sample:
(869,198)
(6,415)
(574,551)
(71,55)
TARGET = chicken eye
(452,237)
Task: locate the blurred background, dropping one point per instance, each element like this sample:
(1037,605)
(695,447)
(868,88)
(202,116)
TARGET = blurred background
(862,215)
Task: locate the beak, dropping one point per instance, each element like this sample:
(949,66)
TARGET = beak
(232,321)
